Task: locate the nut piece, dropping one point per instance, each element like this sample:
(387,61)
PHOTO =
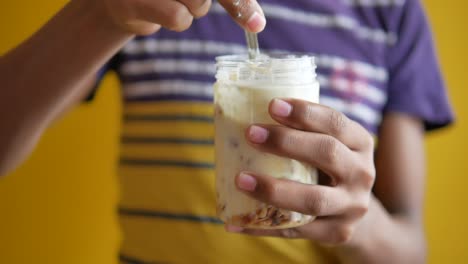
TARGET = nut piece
(220,208)
(218,110)
(266,216)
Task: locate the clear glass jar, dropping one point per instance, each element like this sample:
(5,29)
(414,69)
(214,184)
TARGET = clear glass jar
(243,91)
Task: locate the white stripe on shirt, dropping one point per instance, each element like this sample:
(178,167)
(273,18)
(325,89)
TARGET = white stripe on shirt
(153,46)
(362,89)
(168,66)
(358,110)
(165,87)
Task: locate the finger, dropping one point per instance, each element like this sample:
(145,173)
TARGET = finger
(307,199)
(285,233)
(313,117)
(329,230)
(172,15)
(197,8)
(321,151)
(247,13)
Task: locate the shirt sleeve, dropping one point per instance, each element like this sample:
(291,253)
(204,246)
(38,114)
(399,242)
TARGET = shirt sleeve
(112,64)
(416,86)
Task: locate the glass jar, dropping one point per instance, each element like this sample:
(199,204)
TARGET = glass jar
(242,93)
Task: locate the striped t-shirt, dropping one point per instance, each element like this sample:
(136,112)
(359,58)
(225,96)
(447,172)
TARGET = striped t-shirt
(373,57)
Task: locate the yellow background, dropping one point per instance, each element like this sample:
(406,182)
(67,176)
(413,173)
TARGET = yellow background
(59,206)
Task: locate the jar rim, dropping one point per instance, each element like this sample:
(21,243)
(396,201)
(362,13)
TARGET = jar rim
(283,67)
(272,56)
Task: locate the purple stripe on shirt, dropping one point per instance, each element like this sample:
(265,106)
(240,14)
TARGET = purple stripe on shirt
(167,77)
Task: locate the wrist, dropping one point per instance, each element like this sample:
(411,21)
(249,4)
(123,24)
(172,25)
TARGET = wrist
(383,238)
(368,235)
(376,216)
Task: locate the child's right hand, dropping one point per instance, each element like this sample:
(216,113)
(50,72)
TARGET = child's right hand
(143,17)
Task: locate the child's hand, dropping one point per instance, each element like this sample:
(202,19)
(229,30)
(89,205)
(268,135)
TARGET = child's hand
(144,17)
(329,141)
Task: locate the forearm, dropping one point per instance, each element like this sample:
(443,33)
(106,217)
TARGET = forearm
(49,72)
(383,238)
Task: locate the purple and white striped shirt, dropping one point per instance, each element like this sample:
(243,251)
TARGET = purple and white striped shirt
(373,57)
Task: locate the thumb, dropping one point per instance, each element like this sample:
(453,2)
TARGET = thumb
(247,13)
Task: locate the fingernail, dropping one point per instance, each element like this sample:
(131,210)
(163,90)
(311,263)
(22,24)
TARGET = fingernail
(256,22)
(281,108)
(233,229)
(246,182)
(257,134)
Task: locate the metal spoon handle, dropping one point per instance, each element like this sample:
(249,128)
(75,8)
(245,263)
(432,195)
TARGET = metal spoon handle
(252,44)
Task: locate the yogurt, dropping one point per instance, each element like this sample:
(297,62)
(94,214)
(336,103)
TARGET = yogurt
(243,92)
